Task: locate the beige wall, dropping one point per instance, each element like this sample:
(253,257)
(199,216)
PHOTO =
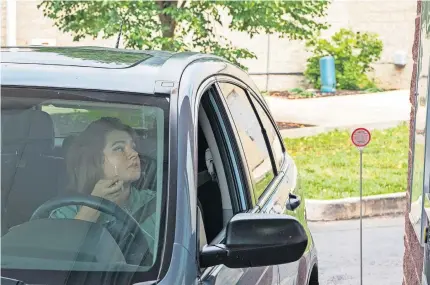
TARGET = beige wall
(393,20)
(31,24)
(3,23)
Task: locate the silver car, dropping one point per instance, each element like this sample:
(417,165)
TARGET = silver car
(214,198)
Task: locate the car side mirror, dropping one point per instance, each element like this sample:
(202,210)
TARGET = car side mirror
(254,240)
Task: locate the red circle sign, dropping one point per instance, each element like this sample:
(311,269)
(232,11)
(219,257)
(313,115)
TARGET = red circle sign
(360,137)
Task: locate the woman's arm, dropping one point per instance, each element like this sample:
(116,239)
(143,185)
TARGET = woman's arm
(87,214)
(72,212)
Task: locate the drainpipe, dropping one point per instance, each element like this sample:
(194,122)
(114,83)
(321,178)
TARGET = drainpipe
(11,22)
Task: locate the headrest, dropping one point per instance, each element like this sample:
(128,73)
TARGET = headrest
(66,144)
(32,129)
(147,147)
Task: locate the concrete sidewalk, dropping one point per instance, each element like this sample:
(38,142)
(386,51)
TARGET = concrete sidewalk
(349,208)
(343,111)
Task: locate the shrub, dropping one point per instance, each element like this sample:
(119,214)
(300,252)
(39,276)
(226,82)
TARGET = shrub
(353,53)
(301,93)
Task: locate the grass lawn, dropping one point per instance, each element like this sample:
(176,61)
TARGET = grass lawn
(329,163)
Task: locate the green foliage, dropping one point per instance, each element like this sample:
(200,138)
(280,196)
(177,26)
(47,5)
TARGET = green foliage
(374,90)
(186,25)
(296,90)
(353,54)
(301,93)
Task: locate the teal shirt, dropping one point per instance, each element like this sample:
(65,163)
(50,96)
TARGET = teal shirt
(136,200)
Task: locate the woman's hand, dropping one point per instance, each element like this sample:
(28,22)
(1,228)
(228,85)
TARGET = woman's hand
(109,189)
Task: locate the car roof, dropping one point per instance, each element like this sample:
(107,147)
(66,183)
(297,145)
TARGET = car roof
(83,56)
(95,68)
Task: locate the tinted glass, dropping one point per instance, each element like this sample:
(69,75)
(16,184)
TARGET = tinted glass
(251,137)
(62,143)
(275,142)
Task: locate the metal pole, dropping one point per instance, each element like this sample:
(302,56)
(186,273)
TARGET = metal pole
(361,215)
(267,63)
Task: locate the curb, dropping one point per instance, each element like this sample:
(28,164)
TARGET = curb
(349,208)
(313,131)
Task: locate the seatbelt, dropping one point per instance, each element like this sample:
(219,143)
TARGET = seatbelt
(203,177)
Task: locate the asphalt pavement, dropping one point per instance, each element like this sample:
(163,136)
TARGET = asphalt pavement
(338,245)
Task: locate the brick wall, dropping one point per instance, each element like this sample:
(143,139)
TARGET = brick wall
(413,256)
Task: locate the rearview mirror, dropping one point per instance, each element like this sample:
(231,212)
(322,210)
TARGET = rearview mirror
(257,240)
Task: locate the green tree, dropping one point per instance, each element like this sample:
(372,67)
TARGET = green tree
(186,25)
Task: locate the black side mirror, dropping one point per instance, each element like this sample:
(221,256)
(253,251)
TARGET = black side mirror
(258,240)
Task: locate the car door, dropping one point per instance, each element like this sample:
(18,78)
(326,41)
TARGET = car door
(227,137)
(274,191)
(286,196)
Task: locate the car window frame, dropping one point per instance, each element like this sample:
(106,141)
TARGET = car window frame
(277,175)
(255,207)
(166,232)
(223,132)
(220,109)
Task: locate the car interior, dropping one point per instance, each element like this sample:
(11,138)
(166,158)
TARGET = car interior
(33,161)
(33,165)
(213,193)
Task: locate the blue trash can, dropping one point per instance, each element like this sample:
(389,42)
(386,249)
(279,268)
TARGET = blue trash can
(328,74)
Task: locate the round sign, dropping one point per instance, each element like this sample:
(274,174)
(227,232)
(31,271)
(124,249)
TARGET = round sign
(360,137)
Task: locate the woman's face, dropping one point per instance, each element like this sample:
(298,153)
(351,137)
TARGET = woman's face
(121,160)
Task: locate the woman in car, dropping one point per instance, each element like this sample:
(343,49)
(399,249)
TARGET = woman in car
(102,161)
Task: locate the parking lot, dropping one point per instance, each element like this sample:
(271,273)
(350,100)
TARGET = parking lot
(339,251)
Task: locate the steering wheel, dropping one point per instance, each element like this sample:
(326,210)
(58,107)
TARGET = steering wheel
(128,235)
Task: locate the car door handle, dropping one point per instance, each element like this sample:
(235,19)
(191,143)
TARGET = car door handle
(293,202)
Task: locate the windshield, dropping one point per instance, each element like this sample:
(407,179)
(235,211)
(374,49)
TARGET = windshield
(83,181)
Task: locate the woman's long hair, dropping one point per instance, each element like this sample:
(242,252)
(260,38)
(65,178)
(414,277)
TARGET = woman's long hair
(85,157)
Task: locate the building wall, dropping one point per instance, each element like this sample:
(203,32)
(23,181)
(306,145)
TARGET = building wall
(33,26)
(392,20)
(413,256)
(3,23)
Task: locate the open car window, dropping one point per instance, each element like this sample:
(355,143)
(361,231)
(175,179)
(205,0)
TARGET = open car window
(47,155)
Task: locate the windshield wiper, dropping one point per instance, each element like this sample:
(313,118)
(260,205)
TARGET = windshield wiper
(10,281)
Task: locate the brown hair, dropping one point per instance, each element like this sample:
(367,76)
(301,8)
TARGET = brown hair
(85,158)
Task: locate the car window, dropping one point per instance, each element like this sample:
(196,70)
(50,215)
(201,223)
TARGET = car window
(112,146)
(275,142)
(74,119)
(251,137)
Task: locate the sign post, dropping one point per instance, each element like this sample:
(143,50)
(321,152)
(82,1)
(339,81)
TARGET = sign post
(360,138)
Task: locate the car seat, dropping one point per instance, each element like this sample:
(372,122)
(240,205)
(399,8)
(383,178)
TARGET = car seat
(29,171)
